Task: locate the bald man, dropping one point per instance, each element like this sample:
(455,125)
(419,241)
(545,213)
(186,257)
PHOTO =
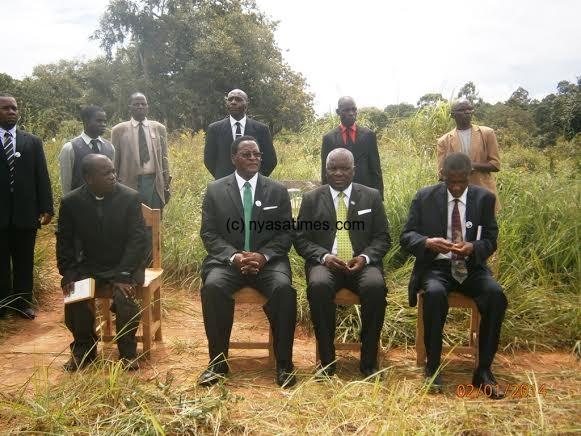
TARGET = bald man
(477,142)
(360,141)
(221,134)
(101,234)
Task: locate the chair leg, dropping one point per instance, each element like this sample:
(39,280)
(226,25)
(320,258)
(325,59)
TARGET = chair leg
(157,312)
(105,308)
(420,346)
(474,332)
(271,359)
(146,322)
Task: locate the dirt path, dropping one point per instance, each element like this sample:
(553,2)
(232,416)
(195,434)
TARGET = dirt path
(38,348)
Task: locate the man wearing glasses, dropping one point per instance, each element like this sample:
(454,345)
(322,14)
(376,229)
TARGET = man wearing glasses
(477,142)
(239,215)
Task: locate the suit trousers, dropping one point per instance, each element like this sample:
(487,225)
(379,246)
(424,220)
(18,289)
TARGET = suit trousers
(369,284)
(80,320)
(218,290)
(489,298)
(16,267)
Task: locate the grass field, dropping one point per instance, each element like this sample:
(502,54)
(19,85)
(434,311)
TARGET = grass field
(538,263)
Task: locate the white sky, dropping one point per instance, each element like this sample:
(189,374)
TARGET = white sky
(378,51)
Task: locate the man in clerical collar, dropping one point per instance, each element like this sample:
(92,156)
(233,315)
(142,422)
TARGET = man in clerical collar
(101,234)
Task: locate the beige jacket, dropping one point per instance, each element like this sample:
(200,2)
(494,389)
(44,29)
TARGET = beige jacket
(124,138)
(483,149)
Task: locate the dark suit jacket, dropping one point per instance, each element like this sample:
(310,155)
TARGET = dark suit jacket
(113,249)
(222,205)
(32,191)
(365,153)
(217,155)
(365,205)
(428,218)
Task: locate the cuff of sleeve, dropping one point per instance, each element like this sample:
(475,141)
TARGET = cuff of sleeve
(367,261)
(323,257)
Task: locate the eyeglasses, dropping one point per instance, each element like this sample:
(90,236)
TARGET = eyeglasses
(249,154)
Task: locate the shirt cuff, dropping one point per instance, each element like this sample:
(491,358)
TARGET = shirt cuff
(323,257)
(366,258)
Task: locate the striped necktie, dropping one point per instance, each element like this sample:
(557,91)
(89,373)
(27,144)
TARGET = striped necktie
(8,145)
(458,265)
(344,249)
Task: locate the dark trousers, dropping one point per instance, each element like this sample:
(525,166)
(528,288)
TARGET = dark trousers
(16,265)
(218,308)
(489,298)
(369,284)
(80,320)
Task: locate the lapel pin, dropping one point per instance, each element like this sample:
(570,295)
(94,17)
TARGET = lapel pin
(352,202)
(17,155)
(258,203)
(468,224)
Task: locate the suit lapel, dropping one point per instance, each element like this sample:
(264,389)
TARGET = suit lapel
(443,199)
(454,141)
(470,209)
(260,194)
(327,201)
(227,131)
(353,201)
(339,138)
(234,194)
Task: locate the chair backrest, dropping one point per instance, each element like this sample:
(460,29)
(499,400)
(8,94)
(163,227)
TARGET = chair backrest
(152,218)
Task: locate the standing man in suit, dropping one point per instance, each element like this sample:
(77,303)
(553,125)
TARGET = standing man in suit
(477,142)
(90,141)
(101,234)
(345,249)
(452,230)
(246,229)
(358,140)
(141,154)
(220,135)
(25,205)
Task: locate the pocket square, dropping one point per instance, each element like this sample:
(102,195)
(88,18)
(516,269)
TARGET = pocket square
(269,207)
(363,212)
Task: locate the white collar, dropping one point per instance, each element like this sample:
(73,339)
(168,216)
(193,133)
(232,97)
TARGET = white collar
(88,139)
(242,121)
(462,198)
(253,181)
(135,123)
(12,132)
(347,191)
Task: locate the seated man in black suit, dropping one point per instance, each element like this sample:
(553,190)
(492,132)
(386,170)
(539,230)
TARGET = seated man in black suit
(243,253)
(220,135)
(101,234)
(359,140)
(451,230)
(338,257)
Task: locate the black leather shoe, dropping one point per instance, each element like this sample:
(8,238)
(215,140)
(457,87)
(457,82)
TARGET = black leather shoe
(371,371)
(433,380)
(285,377)
(482,379)
(325,371)
(213,374)
(27,313)
(77,363)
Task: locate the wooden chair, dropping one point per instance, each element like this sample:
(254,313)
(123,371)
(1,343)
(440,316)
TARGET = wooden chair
(252,296)
(345,297)
(149,293)
(455,299)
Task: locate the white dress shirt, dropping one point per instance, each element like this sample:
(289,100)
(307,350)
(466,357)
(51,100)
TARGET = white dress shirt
(233,122)
(13,133)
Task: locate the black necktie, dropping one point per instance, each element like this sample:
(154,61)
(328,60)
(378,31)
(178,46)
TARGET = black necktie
(9,153)
(95,146)
(143,150)
(238,130)
(348,141)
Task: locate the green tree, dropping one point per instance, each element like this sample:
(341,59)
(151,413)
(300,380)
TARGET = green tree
(191,53)
(469,92)
(431,99)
